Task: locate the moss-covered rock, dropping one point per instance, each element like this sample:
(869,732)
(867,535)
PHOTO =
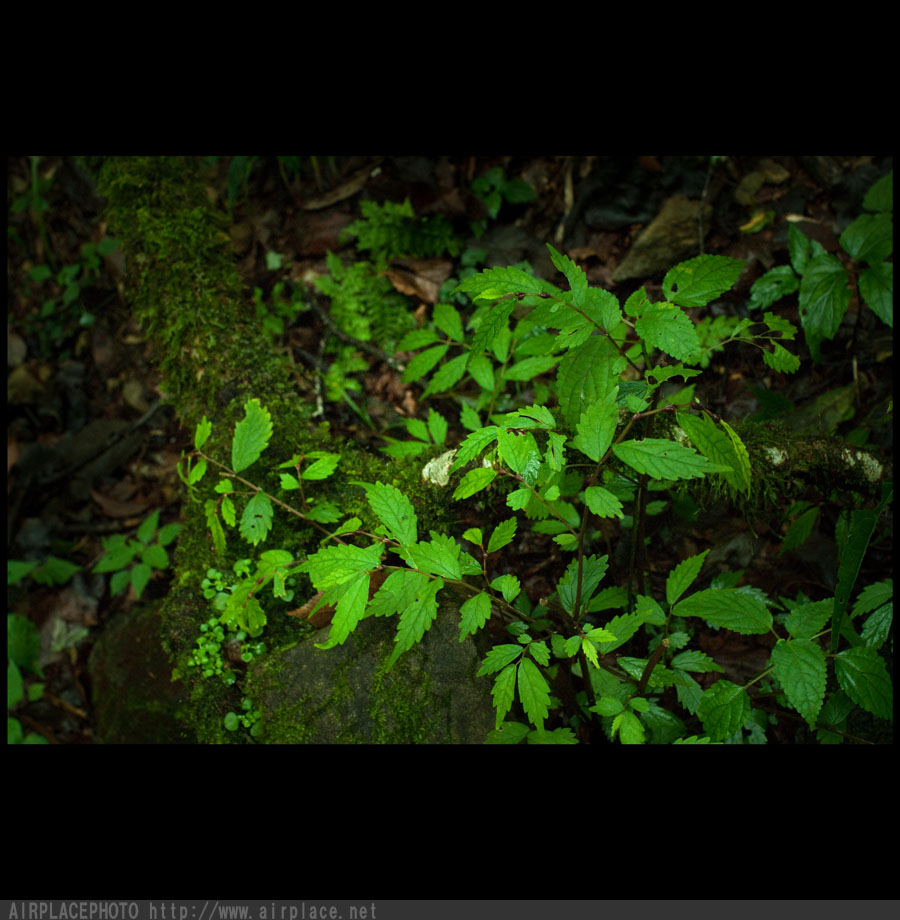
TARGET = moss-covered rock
(346,694)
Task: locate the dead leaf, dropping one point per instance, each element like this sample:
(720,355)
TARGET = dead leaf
(420,278)
(118,509)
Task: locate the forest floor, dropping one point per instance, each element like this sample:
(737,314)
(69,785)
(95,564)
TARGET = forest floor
(92,449)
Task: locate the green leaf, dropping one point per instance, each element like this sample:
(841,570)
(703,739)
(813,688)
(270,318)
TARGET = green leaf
(824,297)
(155,556)
(473,444)
(586,376)
(529,368)
(862,674)
(668,328)
(437,426)
(256,521)
(440,556)
(876,285)
(502,535)
(776,283)
(335,565)
(727,607)
(417,339)
(474,613)
(416,620)
(852,550)
(482,371)
(597,426)
(55,571)
(423,362)
(799,531)
(119,553)
(800,668)
(780,359)
(23,643)
(324,465)
(880,196)
(140,577)
(503,692)
(664,459)
(447,319)
(534,692)
(695,660)
(394,510)
(683,576)
(474,481)
(631,731)
(148,528)
(397,592)
(251,435)
(446,376)
(519,451)
(878,626)
(698,281)
(724,709)
(870,238)
(349,610)
(574,275)
(202,432)
(592,571)
(508,585)
(499,657)
(500,281)
(197,473)
(806,620)
(602,502)
(873,597)
(719,447)
(120,581)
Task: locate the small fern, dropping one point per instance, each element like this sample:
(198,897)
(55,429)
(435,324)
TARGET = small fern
(391,230)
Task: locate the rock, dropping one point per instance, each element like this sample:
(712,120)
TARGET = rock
(671,237)
(135,699)
(343,695)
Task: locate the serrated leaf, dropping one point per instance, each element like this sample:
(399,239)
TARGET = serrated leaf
(416,339)
(508,585)
(440,556)
(800,668)
(335,565)
(474,481)
(724,708)
(473,444)
(397,592)
(520,453)
(215,526)
(695,660)
(349,610)
(437,427)
(447,319)
(474,613)
(499,657)
(862,674)
(503,534)
(664,459)
(597,426)
(394,510)
(574,275)
(668,328)
(529,368)
(602,502)
(780,359)
(698,281)
(202,432)
(251,435)
(446,376)
(683,576)
(323,466)
(586,376)
(728,608)
(256,521)
(534,692)
(593,568)
(503,692)
(806,620)
(423,362)
(719,447)
(499,282)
